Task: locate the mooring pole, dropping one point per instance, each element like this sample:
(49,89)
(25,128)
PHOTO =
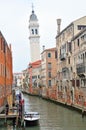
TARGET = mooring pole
(23,112)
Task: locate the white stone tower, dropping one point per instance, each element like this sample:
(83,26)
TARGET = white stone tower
(34,37)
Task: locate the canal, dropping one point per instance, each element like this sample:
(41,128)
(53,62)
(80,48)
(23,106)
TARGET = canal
(52,116)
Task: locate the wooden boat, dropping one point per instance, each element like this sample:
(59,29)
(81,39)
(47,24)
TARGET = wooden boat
(31,118)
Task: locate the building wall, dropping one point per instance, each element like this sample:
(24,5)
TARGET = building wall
(43,68)
(34,72)
(66,67)
(79,56)
(48,67)
(81,21)
(6,76)
(17,79)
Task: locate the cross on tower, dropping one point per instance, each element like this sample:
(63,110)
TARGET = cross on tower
(32,7)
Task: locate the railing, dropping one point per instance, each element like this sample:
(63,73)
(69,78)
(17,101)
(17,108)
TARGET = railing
(81,68)
(63,56)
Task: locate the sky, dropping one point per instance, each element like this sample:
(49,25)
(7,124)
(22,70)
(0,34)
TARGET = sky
(14,22)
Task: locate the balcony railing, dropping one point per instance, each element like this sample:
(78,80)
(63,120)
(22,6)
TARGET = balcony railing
(63,56)
(81,68)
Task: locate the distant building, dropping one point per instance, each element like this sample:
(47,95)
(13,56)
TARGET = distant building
(17,80)
(34,70)
(6,72)
(25,80)
(49,67)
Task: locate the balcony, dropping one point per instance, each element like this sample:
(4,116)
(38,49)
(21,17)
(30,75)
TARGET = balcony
(43,76)
(63,56)
(81,68)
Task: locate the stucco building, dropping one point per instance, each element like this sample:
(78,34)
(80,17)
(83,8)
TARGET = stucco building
(79,64)
(66,67)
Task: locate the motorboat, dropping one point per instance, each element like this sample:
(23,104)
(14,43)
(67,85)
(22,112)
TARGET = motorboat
(31,118)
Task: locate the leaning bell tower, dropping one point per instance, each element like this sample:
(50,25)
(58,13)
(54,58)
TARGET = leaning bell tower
(34,37)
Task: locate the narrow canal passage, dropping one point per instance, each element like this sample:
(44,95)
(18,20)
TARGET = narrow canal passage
(54,117)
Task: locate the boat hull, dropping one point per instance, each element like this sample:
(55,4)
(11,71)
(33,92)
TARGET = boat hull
(31,123)
(31,119)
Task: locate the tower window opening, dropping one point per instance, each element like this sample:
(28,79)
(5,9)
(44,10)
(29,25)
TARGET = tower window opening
(36,31)
(32,31)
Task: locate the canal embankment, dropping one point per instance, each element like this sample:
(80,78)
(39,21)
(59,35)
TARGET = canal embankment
(78,108)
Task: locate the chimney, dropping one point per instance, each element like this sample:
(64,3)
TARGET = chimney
(58,25)
(43,47)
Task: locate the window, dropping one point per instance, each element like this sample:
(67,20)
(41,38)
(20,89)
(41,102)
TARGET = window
(56,55)
(77,83)
(63,48)
(78,42)
(49,82)
(63,52)
(64,74)
(69,60)
(49,74)
(32,31)
(49,54)
(85,54)
(36,31)
(69,46)
(49,65)
(80,27)
(83,82)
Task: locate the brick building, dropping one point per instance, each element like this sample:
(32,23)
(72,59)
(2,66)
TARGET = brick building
(6,76)
(49,71)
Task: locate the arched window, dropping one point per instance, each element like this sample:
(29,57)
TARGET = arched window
(36,31)
(32,31)
(49,55)
(85,54)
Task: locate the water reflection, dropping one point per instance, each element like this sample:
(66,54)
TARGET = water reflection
(16,128)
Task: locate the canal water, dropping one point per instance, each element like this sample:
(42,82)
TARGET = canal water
(52,116)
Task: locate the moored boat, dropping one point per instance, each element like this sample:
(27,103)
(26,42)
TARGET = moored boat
(31,118)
